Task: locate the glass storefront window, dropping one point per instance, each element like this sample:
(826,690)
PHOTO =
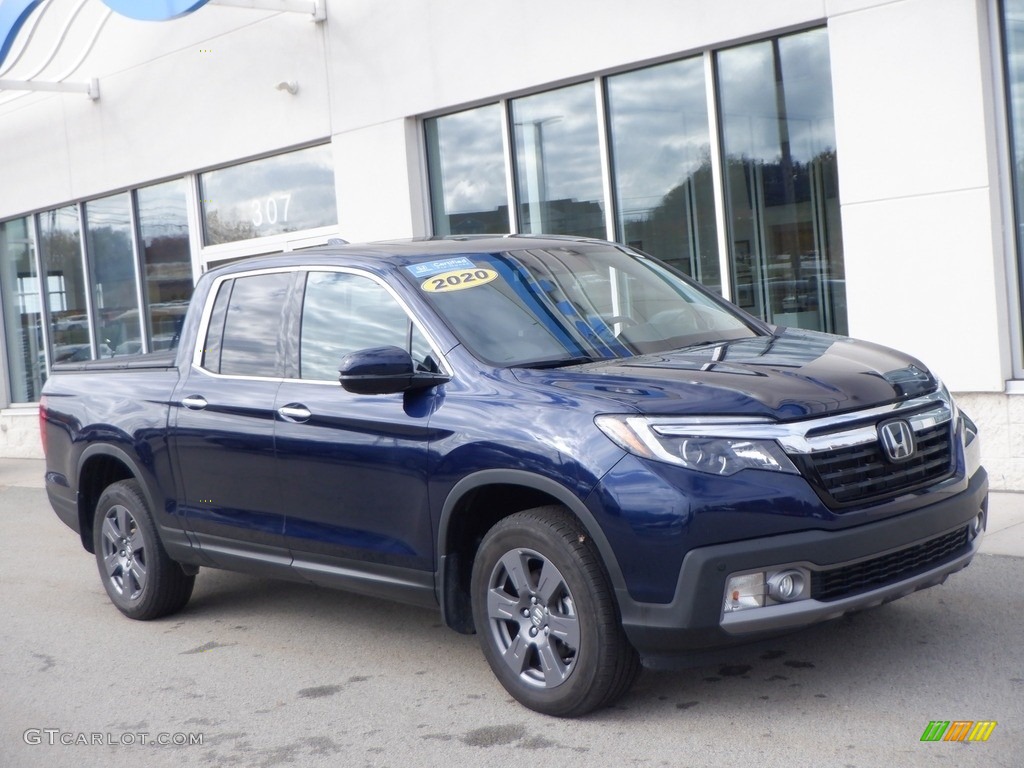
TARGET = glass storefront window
(166,259)
(112,269)
(1013,45)
(283,193)
(60,246)
(558,163)
(22,311)
(467,172)
(781,182)
(661,156)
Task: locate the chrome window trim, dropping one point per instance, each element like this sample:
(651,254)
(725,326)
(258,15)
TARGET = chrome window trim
(796,438)
(197,351)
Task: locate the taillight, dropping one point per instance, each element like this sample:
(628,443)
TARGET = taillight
(42,422)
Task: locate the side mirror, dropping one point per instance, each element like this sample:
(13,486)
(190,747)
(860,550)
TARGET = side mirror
(383,371)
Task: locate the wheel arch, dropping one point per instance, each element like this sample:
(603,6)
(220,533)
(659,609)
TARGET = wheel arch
(500,493)
(100,466)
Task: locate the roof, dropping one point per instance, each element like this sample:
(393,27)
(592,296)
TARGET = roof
(410,251)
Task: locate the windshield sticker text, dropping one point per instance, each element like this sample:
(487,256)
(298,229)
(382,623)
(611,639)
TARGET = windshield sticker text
(458,279)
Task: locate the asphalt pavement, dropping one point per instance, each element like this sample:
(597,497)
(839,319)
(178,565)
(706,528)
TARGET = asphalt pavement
(263,673)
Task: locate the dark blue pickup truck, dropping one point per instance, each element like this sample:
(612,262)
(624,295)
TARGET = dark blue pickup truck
(565,445)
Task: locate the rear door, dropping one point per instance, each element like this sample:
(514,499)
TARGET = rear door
(354,468)
(222,424)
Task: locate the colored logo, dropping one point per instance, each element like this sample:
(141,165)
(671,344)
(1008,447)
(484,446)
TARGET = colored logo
(958,730)
(14,13)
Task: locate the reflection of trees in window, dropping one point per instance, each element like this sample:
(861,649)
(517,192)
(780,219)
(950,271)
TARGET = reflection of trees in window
(781,181)
(681,228)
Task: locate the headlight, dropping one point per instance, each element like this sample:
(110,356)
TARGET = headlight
(667,440)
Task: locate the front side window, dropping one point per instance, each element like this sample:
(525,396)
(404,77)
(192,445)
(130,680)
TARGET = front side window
(345,313)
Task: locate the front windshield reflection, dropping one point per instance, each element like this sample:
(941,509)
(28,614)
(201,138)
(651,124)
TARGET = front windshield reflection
(574,304)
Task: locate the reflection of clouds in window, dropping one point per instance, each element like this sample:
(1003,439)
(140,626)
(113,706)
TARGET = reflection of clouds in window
(748,91)
(253,324)
(747,96)
(162,211)
(805,70)
(284,193)
(345,313)
(470,159)
(567,119)
(659,131)
(558,165)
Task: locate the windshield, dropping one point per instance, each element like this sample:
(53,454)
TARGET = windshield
(578,303)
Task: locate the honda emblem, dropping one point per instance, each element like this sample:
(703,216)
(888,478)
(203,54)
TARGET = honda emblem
(897,439)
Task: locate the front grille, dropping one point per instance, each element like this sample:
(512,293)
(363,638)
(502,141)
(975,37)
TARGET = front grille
(870,574)
(861,474)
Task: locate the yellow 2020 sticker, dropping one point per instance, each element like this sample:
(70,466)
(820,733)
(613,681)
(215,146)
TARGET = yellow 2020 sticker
(458,279)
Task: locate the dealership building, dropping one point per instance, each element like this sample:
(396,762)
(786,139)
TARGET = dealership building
(850,166)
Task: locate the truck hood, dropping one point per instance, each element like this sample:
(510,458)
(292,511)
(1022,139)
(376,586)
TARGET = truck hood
(790,375)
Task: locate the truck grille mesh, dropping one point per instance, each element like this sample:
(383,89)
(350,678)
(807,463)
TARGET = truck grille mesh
(870,574)
(861,473)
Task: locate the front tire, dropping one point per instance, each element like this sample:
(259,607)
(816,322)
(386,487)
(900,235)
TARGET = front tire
(544,612)
(140,579)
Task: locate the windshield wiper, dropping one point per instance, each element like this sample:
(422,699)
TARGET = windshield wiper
(578,360)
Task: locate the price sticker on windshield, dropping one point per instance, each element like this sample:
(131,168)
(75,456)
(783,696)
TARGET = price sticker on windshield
(458,280)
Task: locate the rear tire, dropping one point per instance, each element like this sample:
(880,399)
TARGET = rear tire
(140,579)
(545,615)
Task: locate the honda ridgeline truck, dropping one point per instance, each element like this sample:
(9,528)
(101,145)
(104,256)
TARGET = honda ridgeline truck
(564,445)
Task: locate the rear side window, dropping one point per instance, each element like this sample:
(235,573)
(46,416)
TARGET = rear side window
(243,338)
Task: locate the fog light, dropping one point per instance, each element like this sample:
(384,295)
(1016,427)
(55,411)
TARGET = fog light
(746,591)
(786,585)
(978,525)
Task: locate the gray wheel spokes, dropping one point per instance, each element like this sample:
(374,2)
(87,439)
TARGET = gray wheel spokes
(124,520)
(110,532)
(515,565)
(549,583)
(517,655)
(502,606)
(531,609)
(566,629)
(111,562)
(138,572)
(555,670)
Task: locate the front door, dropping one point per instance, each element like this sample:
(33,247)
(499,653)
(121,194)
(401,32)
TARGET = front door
(353,468)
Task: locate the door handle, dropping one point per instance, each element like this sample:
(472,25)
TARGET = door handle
(194,402)
(294,412)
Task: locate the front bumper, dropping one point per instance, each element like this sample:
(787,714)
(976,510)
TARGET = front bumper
(694,619)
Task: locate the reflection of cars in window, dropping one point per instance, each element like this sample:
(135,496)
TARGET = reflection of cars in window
(134,346)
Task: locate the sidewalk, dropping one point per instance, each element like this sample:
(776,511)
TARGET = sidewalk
(1005,534)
